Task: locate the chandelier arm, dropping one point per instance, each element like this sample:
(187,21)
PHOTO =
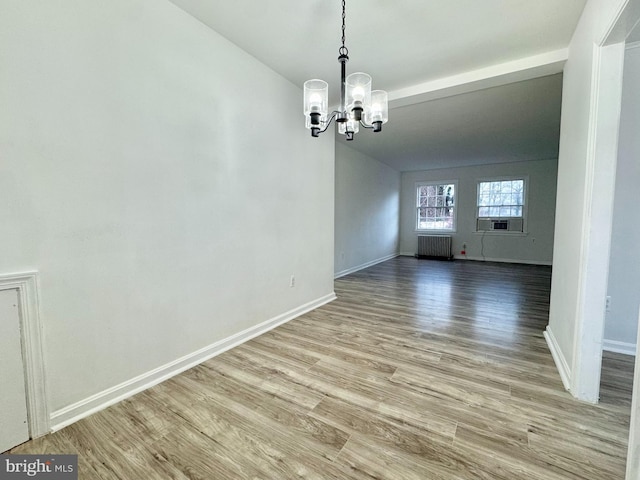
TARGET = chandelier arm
(375,126)
(331,118)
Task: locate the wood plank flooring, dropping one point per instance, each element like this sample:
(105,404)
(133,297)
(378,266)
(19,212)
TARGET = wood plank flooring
(419,370)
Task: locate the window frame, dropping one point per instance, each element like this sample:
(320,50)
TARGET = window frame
(456,202)
(525,204)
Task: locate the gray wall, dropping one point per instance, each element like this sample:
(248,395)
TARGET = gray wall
(535,246)
(164,199)
(367,210)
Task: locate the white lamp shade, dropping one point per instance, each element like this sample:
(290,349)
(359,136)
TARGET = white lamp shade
(379,111)
(358,91)
(316,97)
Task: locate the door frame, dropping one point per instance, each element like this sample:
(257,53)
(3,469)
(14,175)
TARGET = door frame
(602,151)
(26,283)
(604,139)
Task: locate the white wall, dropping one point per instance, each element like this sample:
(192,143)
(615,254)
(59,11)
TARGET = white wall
(586,169)
(621,325)
(571,186)
(159,179)
(367,210)
(535,246)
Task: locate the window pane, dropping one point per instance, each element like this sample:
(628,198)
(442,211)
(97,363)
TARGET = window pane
(450,198)
(449,192)
(421,195)
(518,186)
(422,212)
(435,206)
(500,199)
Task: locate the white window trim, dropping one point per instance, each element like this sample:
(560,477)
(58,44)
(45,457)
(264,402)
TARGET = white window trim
(525,206)
(455,205)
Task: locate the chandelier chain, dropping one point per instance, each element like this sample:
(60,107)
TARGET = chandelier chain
(343,49)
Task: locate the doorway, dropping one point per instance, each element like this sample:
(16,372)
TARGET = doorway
(23,405)
(14,427)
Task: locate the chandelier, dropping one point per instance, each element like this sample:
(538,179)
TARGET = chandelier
(359,106)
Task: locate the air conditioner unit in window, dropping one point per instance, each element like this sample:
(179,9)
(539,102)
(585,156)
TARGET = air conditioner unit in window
(499,225)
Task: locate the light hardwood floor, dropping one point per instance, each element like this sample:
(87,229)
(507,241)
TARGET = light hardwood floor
(419,370)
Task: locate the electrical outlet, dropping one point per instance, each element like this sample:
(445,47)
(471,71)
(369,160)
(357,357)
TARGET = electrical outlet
(607,307)
(292,281)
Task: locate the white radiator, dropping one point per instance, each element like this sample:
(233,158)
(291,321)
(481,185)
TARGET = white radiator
(434,246)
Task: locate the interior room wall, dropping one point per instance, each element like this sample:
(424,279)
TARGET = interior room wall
(590,98)
(367,211)
(535,246)
(161,182)
(621,324)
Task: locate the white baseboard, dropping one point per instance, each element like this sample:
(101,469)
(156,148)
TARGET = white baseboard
(488,259)
(364,265)
(79,410)
(558,358)
(619,347)
(502,260)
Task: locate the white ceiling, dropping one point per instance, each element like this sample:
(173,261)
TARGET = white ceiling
(514,122)
(409,42)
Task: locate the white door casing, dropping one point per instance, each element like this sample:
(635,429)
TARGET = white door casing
(24,288)
(14,427)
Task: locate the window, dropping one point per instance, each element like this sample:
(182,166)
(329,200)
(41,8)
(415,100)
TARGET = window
(436,206)
(501,199)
